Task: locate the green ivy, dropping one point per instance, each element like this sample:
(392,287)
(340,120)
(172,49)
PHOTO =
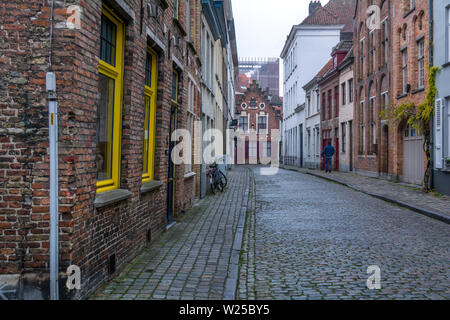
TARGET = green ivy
(418,117)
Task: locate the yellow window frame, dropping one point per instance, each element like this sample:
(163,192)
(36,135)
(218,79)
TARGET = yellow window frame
(176,9)
(150,119)
(115,73)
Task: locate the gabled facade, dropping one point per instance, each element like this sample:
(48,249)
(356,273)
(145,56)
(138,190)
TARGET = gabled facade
(258,116)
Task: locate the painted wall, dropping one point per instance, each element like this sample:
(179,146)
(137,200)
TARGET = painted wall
(441,13)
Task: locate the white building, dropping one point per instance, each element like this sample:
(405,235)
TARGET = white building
(346,85)
(306,50)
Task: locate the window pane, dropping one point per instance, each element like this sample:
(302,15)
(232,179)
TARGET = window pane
(104,128)
(146,145)
(174,86)
(148,70)
(108,41)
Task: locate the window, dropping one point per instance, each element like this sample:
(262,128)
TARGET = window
(385,100)
(175,88)
(148,150)
(309,142)
(262,124)
(192,102)
(269,148)
(361,59)
(243,123)
(421,63)
(176,8)
(109,109)
(336,101)
(372,116)
(344,138)
(384,42)
(372,56)
(344,96)
(350,90)
(188,20)
(404,70)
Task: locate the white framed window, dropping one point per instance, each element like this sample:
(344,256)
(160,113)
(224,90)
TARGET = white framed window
(385,100)
(262,123)
(243,123)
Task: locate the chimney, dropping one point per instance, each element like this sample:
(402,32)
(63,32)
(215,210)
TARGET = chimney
(313,6)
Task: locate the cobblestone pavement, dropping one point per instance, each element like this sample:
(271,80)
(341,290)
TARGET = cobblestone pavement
(308,238)
(400,192)
(192,259)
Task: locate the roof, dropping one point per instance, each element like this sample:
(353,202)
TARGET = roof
(333,13)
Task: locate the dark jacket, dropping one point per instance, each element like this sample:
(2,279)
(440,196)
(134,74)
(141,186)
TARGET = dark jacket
(329,151)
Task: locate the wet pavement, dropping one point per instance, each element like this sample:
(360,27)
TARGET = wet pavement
(309,238)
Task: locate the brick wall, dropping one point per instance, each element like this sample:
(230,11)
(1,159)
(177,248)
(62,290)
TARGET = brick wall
(88,236)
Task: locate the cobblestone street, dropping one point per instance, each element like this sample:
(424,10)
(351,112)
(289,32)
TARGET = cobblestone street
(304,238)
(313,239)
(193,259)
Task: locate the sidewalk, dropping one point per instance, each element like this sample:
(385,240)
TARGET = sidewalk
(437,207)
(198,258)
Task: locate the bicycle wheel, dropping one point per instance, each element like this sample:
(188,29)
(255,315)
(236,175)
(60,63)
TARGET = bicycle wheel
(213,185)
(223,179)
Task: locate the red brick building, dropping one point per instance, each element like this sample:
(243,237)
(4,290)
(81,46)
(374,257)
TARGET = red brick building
(372,147)
(329,88)
(410,54)
(258,115)
(127,75)
(390,69)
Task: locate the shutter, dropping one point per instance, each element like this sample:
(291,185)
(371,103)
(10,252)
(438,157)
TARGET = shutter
(438,134)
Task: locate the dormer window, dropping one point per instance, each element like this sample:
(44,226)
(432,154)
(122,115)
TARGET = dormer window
(335,61)
(252,103)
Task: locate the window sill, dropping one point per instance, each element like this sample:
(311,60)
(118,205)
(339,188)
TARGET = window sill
(401,96)
(189,175)
(110,197)
(445,65)
(417,90)
(150,186)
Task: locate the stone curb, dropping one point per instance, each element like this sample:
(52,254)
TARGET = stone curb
(233,270)
(426,212)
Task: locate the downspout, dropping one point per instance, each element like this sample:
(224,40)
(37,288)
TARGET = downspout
(430,49)
(53,149)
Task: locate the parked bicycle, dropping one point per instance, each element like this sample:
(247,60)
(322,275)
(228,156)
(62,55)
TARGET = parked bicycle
(217,178)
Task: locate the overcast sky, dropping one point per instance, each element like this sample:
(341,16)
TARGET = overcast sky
(263,25)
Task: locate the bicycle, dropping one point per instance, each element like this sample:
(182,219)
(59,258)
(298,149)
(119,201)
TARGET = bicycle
(217,178)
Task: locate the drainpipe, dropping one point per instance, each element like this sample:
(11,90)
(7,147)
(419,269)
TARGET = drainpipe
(53,146)
(430,49)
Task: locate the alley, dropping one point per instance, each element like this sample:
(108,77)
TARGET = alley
(193,259)
(312,239)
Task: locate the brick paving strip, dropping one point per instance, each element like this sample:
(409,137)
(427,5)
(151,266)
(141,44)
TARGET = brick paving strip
(198,258)
(437,207)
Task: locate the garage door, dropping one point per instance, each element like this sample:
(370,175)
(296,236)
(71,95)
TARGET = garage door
(413,157)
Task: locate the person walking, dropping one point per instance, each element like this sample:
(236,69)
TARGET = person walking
(328,153)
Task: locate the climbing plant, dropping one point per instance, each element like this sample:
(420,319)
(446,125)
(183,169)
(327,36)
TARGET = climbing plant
(419,117)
